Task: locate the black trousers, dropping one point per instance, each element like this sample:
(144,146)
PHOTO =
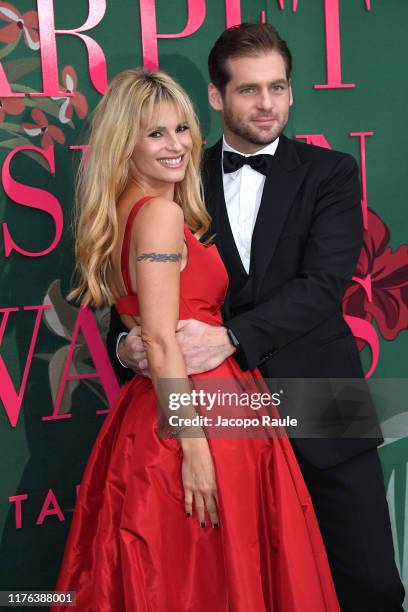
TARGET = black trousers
(352,511)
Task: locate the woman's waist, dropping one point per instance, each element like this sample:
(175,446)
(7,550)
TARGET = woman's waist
(211,317)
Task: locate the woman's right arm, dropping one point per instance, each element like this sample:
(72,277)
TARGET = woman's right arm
(158,233)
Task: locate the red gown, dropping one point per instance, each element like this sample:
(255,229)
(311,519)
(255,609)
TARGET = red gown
(131,547)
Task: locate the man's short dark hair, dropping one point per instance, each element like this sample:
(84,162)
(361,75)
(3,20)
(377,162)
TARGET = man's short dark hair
(246,39)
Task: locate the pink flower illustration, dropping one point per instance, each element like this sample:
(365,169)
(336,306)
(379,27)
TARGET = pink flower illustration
(41,126)
(75,102)
(25,24)
(386,296)
(12,106)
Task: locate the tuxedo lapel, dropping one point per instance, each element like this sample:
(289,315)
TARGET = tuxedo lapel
(281,186)
(212,181)
(216,206)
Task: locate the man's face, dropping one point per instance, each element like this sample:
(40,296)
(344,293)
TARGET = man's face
(256,100)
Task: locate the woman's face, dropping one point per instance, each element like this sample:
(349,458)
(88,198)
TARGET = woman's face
(162,153)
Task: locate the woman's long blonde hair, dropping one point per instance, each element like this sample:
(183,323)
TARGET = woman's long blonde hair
(131,99)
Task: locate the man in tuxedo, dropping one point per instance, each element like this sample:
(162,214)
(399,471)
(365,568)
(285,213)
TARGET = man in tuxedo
(288,225)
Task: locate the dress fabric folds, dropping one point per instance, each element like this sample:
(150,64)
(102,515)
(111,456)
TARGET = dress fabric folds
(131,547)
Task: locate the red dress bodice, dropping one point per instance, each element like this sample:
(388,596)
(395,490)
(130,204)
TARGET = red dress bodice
(203,281)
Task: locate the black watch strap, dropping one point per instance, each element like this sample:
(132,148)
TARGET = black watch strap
(233,339)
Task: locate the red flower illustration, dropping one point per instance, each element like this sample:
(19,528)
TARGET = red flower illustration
(12,106)
(25,24)
(385,298)
(41,126)
(75,102)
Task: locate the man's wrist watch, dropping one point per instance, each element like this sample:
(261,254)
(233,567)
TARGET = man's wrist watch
(233,339)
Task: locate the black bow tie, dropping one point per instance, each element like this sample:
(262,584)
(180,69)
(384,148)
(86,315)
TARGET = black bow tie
(234,161)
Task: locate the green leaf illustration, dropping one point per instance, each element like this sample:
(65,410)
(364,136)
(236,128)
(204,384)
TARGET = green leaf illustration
(61,318)
(9,48)
(20,142)
(47,105)
(14,142)
(55,370)
(392,454)
(11,127)
(17,68)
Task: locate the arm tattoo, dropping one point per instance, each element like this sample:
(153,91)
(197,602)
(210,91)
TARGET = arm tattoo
(161,257)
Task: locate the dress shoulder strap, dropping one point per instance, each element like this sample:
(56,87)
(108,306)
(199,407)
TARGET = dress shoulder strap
(124,258)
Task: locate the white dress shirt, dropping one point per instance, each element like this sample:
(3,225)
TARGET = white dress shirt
(243,192)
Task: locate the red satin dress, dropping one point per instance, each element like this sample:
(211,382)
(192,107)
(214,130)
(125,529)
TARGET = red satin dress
(131,547)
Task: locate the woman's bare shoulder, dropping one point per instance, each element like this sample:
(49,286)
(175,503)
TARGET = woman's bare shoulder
(161,215)
(162,206)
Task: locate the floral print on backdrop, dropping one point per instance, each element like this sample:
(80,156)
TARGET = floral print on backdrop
(25,25)
(42,131)
(49,117)
(386,301)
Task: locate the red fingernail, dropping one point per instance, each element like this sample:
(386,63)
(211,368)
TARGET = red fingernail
(216,525)
(202,524)
(188,514)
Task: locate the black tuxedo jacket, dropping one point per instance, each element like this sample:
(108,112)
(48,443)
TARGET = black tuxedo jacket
(286,313)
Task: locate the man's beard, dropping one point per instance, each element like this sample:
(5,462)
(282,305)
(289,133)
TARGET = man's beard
(243,130)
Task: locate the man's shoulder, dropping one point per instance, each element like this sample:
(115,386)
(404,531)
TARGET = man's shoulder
(210,161)
(212,152)
(319,156)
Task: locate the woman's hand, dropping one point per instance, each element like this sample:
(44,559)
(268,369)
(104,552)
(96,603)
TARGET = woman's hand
(199,480)
(132,353)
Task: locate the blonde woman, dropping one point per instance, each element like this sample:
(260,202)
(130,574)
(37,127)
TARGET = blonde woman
(174,524)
